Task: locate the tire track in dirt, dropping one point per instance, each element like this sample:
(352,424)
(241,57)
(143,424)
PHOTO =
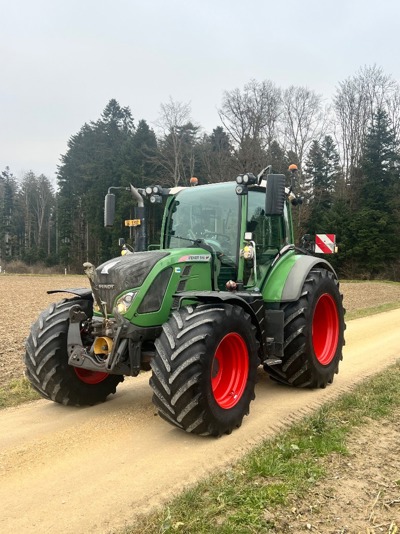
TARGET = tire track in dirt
(80,470)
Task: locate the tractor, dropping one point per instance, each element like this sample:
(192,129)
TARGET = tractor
(225,292)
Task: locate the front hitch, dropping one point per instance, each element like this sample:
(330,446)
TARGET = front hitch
(78,354)
(111,361)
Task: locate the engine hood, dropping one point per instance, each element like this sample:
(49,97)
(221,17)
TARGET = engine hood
(124,272)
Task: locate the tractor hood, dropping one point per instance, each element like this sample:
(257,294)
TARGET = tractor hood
(124,272)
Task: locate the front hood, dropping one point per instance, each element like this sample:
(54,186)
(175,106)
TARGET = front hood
(125,272)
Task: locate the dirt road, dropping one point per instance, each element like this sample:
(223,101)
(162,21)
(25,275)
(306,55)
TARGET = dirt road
(87,470)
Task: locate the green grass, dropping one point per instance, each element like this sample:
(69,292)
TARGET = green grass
(276,471)
(16,392)
(365,312)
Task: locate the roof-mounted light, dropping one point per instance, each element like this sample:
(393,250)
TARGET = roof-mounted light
(154,190)
(246,179)
(249,178)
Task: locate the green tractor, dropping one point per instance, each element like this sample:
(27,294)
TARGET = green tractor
(225,292)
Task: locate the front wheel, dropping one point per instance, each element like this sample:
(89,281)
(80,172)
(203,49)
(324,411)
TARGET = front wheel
(46,360)
(204,370)
(313,333)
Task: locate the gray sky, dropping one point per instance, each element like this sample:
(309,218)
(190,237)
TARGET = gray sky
(62,61)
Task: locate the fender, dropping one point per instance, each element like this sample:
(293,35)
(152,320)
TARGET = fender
(287,279)
(269,323)
(82,292)
(252,303)
(245,300)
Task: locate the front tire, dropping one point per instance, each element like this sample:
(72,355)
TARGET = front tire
(204,370)
(46,360)
(313,334)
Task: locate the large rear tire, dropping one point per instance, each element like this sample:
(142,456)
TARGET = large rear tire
(204,370)
(313,334)
(46,360)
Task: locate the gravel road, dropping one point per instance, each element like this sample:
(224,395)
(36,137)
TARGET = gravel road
(91,470)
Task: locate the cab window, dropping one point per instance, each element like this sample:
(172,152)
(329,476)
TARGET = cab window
(269,233)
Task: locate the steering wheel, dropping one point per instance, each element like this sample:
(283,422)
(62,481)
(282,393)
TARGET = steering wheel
(225,241)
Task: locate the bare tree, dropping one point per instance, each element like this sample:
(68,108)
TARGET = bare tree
(41,205)
(303,120)
(38,199)
(250,118)
(392,106)
(356,100)
(174,116)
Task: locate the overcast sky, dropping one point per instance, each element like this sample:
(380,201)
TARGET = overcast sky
(62,61)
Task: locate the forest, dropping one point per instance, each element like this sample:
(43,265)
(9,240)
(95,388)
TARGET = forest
(347,151)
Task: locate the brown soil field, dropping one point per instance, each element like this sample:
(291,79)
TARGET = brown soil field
(23,297)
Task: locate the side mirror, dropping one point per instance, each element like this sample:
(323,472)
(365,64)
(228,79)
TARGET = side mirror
(275,194)
(109,209)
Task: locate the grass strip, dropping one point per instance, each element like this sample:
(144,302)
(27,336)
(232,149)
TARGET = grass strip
(241,498)
(365,312)
(17,392)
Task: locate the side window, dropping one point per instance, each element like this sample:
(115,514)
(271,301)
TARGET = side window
(268,232)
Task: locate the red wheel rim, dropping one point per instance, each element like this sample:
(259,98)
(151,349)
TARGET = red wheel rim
(90,377)
(325,329)
(229,370)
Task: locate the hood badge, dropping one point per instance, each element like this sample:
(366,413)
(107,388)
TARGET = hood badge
(106,286)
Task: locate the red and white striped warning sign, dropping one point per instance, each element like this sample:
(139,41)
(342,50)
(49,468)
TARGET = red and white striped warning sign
(325,243)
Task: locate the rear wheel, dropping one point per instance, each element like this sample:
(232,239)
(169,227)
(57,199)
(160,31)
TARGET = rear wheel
(313,334)
(204,370)
(46,360)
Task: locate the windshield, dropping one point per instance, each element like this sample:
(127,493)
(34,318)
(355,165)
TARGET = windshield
(208,212)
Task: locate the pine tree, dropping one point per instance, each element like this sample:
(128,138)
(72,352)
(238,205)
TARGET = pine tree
(8,216)
(374,227)
(214,157)
(277,158)
(322,172)
(100,155)
(380,162)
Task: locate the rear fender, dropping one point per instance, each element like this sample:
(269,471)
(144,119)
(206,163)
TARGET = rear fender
(287,278)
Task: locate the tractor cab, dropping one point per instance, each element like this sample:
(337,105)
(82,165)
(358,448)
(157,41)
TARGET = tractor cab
(234,226)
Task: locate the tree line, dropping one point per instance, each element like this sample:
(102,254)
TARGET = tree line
(347,152)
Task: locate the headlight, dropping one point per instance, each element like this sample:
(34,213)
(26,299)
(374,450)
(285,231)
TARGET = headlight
(124,302)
